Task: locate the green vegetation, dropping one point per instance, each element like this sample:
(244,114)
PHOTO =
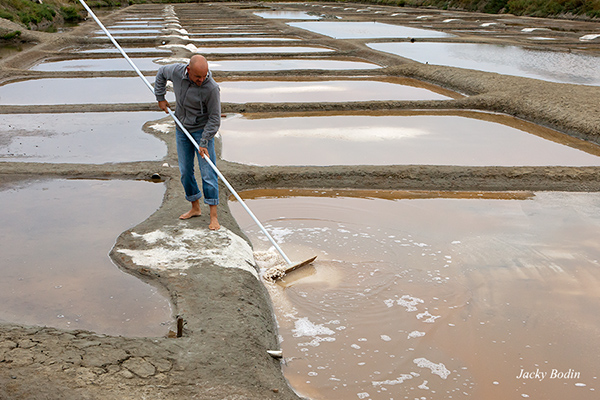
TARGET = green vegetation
(532,8)
(41,16)
(34,15)
(10,35)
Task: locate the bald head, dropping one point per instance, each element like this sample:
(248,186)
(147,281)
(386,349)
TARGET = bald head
(197,69)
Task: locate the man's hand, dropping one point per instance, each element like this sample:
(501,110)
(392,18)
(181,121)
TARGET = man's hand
(164,105)
(203,151)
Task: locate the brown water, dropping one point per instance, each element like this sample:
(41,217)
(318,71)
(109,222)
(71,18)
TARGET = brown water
(434,138)
(56,236)
(423,296)
(152,64)
(286,91)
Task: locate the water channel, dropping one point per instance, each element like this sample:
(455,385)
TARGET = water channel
(55,265)
(434,295)
(92,138)
(409,138)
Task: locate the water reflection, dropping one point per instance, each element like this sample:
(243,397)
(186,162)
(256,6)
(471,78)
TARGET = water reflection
(329,91)
(128,50)
(554,66)
(443,298)
(364,30)
(248,49)
(286,15)
(281,65)
(77,91)
(93,138)
(55,265)
(99,64)
(438,138)
(152,64)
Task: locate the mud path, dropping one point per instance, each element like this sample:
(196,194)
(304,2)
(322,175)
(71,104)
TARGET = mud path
(229,320)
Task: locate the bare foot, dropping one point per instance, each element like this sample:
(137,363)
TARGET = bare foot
(190,214)
(214,222)
(194,212)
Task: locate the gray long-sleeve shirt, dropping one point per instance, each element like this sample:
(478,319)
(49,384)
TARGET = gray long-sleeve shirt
(198,107)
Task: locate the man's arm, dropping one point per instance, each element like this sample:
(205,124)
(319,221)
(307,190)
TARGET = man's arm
(213,105)
(160,86)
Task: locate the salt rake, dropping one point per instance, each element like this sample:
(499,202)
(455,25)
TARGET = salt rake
(290,265)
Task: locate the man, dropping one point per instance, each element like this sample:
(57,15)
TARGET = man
(199,110)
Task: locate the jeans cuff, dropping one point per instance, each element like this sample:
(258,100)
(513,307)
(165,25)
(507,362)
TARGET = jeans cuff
(194,197)
(211,202)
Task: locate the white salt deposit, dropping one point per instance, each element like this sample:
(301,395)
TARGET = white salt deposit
(189,47)
(529,30)
(437,369)
(184,37)
(178,30)
(271,264)
(180,249)
(163,127)
(589,37)
(172,60)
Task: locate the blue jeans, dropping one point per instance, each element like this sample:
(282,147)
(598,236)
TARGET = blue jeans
(186,153)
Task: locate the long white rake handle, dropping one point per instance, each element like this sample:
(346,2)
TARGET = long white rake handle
(207,159)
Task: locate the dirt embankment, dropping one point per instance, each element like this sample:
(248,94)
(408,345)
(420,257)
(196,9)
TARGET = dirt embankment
(229,322)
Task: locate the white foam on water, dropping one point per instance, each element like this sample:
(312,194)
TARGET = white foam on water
(423,386)
(437,369)
(303,327)
(589,37)
(317,341)
(392,382)
(385,338)
(430,318)
(415,334)
(405,301)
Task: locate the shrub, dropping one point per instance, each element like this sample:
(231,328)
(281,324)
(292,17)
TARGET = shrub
(11,35)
